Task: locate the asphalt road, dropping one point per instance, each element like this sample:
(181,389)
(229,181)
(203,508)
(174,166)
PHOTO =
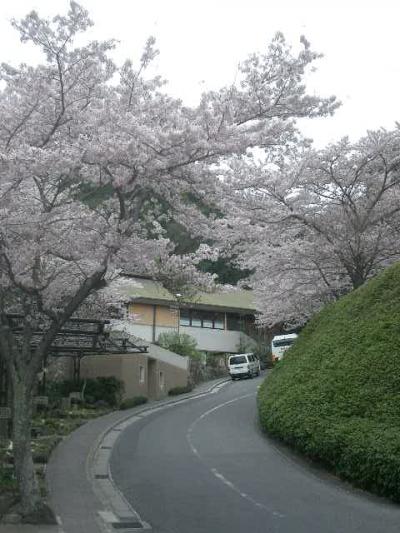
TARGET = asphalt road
(205,467)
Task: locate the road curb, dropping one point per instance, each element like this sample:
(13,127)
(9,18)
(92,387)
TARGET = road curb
(117,513)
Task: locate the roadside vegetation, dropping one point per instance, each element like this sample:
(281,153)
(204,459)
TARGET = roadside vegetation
(175,391)
(203,365)
(76,208)
(91,398)
(185,345)
(128,403)
(180,343)
(49,427)
(336,394)
(101,172)
(98,392)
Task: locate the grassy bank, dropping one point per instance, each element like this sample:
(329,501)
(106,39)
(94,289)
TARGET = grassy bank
(336,394)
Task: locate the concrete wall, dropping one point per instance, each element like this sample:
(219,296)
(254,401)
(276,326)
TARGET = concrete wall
(214,340)
(210,340)
(173,377)
(142,331)
(102,366)
(166,356)
(158,376)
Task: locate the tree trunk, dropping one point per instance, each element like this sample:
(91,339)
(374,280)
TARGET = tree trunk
(22,394)
(358,279)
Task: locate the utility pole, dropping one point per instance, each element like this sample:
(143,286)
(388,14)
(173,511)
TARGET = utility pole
(178,296)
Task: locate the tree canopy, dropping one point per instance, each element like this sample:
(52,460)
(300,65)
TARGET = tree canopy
(78,125)
(314,224)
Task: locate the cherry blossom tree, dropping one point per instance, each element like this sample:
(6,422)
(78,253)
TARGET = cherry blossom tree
(84,146)
(317,223)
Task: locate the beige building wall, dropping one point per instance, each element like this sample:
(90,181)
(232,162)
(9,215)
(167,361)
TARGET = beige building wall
(141,313)
(172,377)
(166,316)
(134,374)
(141,375)
(144,314)
(101,366)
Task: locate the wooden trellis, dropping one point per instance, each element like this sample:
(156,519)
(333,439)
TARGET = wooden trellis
(79,337)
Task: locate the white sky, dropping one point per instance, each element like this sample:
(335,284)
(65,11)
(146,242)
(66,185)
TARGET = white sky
(201,43)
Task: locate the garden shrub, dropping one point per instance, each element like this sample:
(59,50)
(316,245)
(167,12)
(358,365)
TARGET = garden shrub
(7,476)
(101,389)
(133,402)
(180,390)
(180,343)
(42,448)
(335,396)
(185,345)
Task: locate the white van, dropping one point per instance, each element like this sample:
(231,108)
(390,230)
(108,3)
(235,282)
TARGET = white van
(280,343)
(243,364)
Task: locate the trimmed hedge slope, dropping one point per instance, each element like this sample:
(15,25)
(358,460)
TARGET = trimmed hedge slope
(336,394)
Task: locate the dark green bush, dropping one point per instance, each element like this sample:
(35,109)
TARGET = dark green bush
(180,390)
(133,402)
(8,481)
(335,396)
(107,389)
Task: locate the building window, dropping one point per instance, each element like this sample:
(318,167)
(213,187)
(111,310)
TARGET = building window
(219,322)
(208,321)
(184,317)
(202,319)
(196,319)
(162,381)
(234,322)
(141,374)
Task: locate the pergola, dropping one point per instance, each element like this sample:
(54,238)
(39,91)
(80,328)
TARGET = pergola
(79,337)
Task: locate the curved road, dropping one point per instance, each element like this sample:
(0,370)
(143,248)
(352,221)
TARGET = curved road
(205,467)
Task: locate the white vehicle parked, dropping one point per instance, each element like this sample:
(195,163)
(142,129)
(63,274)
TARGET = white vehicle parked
(243,364)
(280,343)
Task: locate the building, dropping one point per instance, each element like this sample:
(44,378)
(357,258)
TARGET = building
(219,321)
(151,375)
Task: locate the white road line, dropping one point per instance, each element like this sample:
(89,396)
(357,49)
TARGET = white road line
(108,439)
(245,496)
(60,524)
(214,471)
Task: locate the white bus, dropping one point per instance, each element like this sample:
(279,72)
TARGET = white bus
(280,343)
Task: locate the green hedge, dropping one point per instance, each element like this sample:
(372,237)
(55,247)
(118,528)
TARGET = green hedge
(101,389)
(180,390)
(133,402)
(336,394)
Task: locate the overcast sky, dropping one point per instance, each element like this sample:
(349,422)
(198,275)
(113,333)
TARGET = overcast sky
(201,43)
